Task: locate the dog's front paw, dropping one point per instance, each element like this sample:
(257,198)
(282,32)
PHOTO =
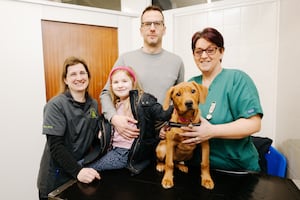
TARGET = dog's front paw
(207,182)
(182,167)
(167,183)
(160,167)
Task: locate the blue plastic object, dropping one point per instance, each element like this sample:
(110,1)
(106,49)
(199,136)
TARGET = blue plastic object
(276,162)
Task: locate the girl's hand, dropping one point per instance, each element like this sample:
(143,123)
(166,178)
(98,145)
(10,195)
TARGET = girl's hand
(162,132)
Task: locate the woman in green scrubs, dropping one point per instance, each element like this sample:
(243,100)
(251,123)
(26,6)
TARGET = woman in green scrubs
(232,111)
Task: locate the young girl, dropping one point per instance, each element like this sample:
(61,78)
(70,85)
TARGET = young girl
(130,100)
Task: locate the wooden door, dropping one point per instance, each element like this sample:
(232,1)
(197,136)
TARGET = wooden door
(98,46)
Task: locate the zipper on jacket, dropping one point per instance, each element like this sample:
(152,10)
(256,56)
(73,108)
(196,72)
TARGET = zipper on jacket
(132,153)
(134,97)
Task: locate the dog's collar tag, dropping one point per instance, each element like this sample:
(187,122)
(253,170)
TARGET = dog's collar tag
(211,110)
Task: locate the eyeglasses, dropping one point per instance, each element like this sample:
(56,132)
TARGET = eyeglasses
(209,51)
(157,24)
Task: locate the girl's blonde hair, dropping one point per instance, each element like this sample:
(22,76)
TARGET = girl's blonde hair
(135,86)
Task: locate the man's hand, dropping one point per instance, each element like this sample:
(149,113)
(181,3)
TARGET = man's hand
(123,125)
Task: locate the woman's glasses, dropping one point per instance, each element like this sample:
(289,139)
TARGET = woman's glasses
(209,51)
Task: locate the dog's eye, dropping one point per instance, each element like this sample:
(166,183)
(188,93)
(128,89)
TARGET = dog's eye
(178,94)
(193,91)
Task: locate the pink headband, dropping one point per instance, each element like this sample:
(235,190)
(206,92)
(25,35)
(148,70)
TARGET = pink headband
(128,69)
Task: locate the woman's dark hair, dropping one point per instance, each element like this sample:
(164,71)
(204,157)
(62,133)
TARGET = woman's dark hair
(70,61)
(211,35)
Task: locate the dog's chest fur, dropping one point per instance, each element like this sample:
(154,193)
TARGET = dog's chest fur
(182,152)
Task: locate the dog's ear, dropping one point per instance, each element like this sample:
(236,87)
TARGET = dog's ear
(203,91)
(168,98)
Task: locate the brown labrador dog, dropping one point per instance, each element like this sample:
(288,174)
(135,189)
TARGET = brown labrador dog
(186,97)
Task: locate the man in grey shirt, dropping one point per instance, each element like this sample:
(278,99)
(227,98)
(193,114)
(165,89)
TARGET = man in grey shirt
(157,69)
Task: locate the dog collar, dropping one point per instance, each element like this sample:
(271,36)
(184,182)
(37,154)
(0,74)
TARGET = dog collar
(178,125)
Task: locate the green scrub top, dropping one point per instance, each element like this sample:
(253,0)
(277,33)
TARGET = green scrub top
(234,95)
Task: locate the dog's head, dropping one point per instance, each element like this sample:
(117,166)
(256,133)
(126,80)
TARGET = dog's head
(186,97)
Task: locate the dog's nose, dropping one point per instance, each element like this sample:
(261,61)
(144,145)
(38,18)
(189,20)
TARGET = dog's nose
(189,104)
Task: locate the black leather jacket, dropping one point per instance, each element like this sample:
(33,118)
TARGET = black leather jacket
(149,114)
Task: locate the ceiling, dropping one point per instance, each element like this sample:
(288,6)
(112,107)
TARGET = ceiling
(116,4)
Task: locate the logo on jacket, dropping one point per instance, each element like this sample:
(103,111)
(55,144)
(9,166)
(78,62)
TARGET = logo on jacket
(93,113)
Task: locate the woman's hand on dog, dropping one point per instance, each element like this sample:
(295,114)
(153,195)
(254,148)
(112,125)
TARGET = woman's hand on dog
(197,134)
(124,126)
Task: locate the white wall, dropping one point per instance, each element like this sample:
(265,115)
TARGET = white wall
(136,6)
(22,99)
(261,37)
(288,86)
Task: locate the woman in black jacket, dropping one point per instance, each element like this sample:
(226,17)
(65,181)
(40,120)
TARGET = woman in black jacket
(70,124)
(130,100)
